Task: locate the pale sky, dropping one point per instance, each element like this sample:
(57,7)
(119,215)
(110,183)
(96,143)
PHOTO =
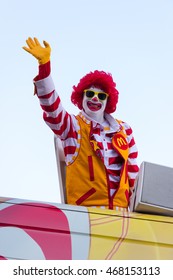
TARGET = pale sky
(131,39)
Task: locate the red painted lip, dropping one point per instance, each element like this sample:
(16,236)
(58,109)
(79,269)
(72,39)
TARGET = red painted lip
(94,106)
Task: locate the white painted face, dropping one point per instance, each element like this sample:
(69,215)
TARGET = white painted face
(93,106)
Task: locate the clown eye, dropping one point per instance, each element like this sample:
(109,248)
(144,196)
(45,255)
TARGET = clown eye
(89,93)
(102,96)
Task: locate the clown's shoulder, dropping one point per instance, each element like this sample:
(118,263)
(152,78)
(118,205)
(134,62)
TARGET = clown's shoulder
(127,128)
(123,123)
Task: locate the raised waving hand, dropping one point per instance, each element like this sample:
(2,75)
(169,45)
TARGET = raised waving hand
(41,53)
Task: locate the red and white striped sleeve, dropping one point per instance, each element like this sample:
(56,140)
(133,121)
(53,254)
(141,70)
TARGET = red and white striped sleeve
(54,114)
(132,167)
(56,117)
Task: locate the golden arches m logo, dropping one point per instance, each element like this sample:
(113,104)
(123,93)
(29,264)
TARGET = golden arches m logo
(120,141)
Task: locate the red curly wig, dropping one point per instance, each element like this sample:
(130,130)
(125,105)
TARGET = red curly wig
(101,80)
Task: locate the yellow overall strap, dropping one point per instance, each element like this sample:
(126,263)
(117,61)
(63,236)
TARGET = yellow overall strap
(120,144)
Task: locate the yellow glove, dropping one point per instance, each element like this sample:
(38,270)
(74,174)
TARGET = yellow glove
(42,54)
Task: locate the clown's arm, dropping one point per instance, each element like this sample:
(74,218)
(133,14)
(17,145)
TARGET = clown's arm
(132,166)
(62,124)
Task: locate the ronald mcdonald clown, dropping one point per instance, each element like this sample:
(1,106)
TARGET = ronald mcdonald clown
(100,151)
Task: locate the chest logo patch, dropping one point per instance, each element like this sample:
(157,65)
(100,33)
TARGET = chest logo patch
(120,141)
